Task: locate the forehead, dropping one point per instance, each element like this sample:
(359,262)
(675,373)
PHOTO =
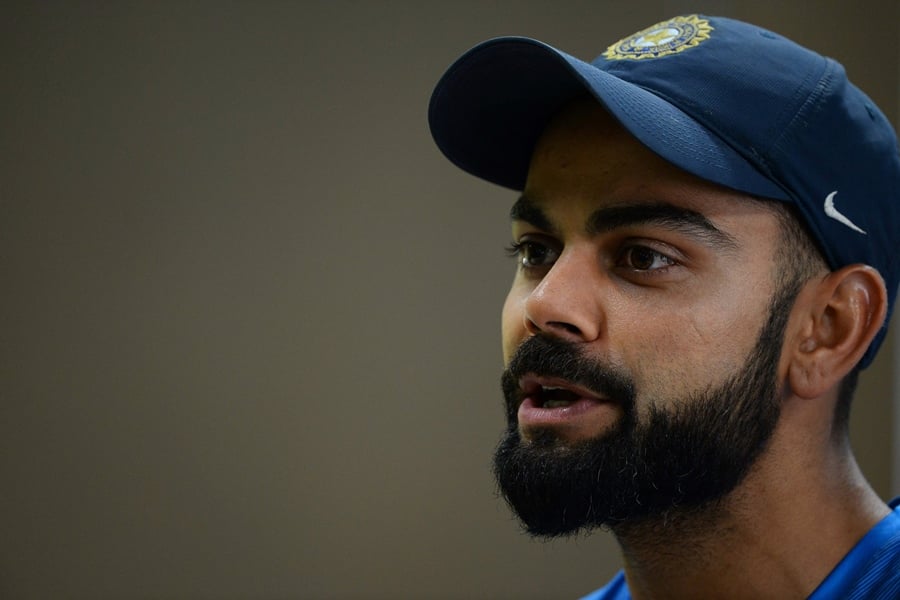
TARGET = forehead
(585,159)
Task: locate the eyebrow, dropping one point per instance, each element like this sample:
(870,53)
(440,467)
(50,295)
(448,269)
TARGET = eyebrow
(667,216)
(526,210)
(610,218)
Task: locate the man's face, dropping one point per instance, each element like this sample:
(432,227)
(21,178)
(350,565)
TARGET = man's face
(642,333)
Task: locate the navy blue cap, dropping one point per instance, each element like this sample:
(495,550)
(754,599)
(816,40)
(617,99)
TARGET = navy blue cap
(730,102)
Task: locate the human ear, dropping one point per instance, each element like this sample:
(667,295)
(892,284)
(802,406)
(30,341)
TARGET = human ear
(839,315)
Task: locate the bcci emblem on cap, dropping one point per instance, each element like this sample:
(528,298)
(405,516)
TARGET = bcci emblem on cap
(662,39)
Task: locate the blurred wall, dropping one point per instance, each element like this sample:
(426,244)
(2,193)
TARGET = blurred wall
(250,336)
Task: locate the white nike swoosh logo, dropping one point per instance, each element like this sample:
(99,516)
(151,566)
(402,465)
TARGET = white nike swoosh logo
(832,212)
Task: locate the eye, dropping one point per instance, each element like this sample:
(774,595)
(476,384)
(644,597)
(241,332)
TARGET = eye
(533,255)
(642,258)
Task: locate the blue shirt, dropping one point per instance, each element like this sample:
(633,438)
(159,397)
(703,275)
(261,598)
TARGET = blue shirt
(870,571)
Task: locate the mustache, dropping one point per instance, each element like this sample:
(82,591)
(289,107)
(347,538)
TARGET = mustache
(552,357)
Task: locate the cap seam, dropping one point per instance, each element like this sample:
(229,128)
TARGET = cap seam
(809,107)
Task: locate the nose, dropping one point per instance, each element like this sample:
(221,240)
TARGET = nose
(567,302)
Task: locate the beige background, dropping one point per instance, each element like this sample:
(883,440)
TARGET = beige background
(250,315)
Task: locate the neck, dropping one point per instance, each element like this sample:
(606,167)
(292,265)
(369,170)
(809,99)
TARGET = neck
(791,519)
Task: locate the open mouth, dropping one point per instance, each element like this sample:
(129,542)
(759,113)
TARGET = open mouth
(550,393)
(553,403)
(555,397)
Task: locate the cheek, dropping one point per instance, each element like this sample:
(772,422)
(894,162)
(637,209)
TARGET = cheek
(693,350)
(512,323)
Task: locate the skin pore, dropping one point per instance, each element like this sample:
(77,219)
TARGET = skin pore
(668,281)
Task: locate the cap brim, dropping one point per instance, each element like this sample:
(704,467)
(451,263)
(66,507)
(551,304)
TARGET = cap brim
(491,106)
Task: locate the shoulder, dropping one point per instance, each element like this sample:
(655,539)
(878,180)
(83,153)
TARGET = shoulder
(616,589)
(881,581)
(871,571)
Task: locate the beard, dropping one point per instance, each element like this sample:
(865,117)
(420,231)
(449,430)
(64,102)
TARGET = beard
(676,460)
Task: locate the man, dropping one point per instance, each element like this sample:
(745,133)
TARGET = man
(707,249)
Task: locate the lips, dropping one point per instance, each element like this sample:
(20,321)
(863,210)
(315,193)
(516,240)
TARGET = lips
(554,391)
(553,402)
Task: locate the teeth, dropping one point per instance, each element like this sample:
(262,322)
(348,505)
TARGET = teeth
(556,403)
(556,397)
